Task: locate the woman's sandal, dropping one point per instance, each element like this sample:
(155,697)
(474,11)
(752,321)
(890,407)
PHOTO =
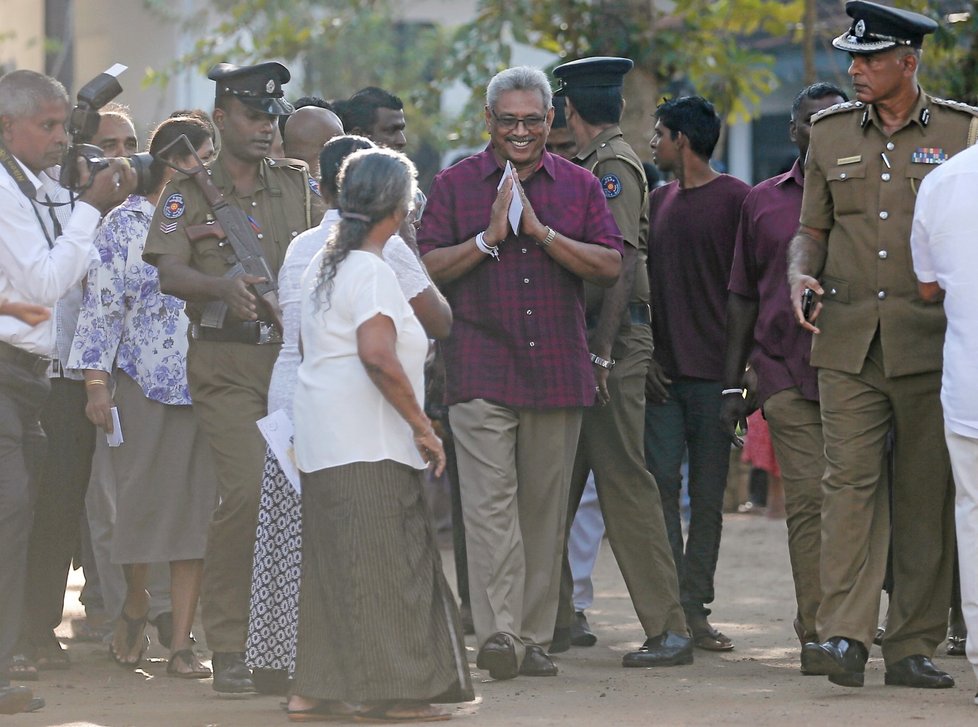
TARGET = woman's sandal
(327,711)
(197,670)
(135,632)
(401,712)
(22,669)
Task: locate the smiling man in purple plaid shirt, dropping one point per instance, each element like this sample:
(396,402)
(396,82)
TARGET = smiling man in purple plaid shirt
(518,369)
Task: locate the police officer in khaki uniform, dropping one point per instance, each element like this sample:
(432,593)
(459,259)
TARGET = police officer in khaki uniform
(878,351)
(620,339)
(229,367)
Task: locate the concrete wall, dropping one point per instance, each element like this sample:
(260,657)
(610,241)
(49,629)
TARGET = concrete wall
(124,31)
(22,33)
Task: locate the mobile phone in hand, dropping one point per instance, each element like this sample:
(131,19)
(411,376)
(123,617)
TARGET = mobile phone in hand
(807,303)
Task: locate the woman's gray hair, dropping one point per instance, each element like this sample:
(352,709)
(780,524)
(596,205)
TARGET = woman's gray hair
(520,78)
(373,184)
(23,92)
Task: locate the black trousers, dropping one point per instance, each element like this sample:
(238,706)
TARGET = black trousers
(59,504)
(22,395)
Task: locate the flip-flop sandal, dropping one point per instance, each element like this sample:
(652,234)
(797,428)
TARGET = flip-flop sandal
(22,669)
(324,712)
(135,631)
(403,713)
(197,671)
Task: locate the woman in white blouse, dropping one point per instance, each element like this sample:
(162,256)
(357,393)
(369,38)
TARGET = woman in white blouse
(379,635)
(273,613)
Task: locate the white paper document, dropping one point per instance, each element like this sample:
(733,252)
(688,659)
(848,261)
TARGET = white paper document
(115,439)
(278,431)
(516,203)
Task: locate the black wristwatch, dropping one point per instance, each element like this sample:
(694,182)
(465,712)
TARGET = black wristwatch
(602,362)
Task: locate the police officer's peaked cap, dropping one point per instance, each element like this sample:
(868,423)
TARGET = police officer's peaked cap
(877,28)
(259,87)
(598,72)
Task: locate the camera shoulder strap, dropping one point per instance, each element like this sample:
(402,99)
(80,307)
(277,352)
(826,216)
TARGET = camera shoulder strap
(14,170)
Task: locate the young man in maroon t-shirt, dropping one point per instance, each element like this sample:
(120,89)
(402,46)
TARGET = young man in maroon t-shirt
(692,230)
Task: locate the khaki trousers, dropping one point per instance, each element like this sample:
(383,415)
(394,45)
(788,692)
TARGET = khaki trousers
(612,446)
(514,468)
(229,386)
(796,433)
(857,412)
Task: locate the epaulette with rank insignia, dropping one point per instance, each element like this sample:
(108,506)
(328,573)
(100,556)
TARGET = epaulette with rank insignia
(838,109)
(286,162)
(956,105)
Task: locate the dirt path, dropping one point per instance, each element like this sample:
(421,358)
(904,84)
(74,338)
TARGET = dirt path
(756,684)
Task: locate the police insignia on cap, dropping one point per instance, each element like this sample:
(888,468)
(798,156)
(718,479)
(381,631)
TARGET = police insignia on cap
(270,86)
(174,206)
(611,186)
(860,29)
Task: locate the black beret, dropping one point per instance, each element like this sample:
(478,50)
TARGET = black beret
(259,86)
(877,28)
(598,72)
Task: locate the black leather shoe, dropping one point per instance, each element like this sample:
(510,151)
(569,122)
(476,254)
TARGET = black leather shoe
(580,631)
(561,641)
(917,671)
(498,656)
(536,663)
(231,674)
(666,649)
(14,699)
(842,660)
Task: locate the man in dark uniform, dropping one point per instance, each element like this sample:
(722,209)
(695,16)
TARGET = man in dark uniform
(620,341)
(229,367)
(878,353)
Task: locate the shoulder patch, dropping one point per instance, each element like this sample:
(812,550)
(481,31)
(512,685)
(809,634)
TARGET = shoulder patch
(174,206)
(611,185)
(314,187)
(838,109)
(956,105)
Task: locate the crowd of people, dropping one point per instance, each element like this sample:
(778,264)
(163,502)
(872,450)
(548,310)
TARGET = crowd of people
(242,368)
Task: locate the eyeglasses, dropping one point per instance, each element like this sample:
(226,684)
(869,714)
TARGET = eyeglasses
(508,123)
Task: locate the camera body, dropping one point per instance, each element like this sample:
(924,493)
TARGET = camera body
(83,125)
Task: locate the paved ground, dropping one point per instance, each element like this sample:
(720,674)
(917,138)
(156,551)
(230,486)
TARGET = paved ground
(756,684)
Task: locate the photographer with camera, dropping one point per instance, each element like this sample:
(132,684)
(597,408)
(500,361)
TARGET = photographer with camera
(45,252)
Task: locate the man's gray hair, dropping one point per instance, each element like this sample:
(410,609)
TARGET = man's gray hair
(23,92)
(520,78)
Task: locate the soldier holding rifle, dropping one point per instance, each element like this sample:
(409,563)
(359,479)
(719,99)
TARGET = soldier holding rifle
(218,239)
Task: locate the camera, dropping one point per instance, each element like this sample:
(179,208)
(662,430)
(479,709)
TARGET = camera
(83,125)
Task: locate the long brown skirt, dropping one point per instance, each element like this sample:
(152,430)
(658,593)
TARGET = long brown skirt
(377,620)
(165,484)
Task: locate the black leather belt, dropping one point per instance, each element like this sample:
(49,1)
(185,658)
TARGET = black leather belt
(258,333)
(37,365)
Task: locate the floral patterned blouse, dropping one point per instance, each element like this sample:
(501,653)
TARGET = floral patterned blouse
(126,323)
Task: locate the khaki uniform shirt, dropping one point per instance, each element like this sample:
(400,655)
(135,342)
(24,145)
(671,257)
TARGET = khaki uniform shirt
(279,209)
(860,185)
(613,161)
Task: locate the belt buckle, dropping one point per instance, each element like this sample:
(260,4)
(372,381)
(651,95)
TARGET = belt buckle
(267,333)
